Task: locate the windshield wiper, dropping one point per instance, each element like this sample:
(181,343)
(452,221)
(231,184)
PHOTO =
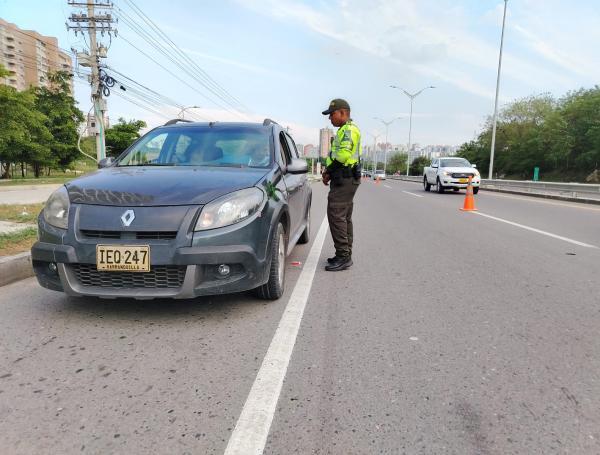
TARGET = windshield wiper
(146,164)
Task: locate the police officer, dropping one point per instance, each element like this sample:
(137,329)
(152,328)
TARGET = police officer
(342,173)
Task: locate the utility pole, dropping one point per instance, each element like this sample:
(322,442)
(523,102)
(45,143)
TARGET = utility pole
(92,23)
(412,97)
(494,121)
(387,125)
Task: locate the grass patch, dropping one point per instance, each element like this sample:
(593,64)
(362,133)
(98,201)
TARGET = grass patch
(10,212)
(17,242)
(40,181)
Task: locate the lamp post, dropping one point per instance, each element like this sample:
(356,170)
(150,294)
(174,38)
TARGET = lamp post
(412,96)
(183,109)
(375,136)
(490,176)
(387,125)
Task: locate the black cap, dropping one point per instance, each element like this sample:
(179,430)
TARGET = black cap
(336,104)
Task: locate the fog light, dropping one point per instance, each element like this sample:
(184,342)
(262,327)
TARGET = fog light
(52,267)
(223,270)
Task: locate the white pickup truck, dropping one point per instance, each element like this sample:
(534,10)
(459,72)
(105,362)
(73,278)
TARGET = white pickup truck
(446,173)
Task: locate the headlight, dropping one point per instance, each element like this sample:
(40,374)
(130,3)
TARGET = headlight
(230,209)
(56,210)
(446,173)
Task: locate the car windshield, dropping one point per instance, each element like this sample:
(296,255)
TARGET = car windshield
(455,162)
(229,146)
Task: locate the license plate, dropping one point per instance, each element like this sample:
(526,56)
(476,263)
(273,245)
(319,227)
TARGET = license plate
(463,180)
(123,258)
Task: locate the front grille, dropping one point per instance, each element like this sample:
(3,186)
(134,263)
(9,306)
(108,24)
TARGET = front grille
(140,235)
(159,276)
(462,175)
(101,234)
(156,235)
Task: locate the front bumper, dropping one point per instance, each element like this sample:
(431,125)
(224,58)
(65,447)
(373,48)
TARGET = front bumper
(182,268)
(456,183)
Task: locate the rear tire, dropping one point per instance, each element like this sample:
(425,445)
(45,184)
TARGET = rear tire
(426,184)
(273,289)
(475,189)
(440,187)
(305,237)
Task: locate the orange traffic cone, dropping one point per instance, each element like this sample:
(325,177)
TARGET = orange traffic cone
(469,205)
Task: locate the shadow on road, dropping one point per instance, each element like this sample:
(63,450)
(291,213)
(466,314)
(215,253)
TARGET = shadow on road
(162,310)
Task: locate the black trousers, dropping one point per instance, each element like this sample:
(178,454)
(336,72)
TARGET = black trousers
(339,214)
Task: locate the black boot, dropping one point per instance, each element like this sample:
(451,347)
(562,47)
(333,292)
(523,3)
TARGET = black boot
(339,264)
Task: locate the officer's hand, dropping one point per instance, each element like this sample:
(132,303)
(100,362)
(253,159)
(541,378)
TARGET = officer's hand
(326,178)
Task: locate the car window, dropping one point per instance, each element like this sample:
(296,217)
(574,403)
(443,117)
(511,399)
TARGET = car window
(145,151)
(454,162)
(285,151)
(203,146)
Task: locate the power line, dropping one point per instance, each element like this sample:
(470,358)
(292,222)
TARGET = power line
(187,66)
(154,44)
(170,42)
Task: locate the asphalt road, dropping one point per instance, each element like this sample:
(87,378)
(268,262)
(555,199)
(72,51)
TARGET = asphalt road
(454,333)
(23,194)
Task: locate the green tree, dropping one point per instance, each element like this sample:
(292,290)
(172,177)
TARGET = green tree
(24,137)
(62,119)
(397,163)
(122,135)
(418,164)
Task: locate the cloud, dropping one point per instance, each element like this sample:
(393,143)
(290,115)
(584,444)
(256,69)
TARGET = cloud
(430,38)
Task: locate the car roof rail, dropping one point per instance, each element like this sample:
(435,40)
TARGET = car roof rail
(177,120)
(268,122)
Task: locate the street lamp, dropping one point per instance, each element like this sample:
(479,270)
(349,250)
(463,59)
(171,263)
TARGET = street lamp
(182,111)
(412,96)
(374,136)
(490,176)
(387,124)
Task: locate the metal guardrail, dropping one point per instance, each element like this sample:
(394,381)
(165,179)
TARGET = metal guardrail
(570,190)
(574,190)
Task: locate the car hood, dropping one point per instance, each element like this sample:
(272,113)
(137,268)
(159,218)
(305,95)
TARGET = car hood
(157,186)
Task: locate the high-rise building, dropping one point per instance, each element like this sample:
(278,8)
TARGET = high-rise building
(30,56)
(325,136)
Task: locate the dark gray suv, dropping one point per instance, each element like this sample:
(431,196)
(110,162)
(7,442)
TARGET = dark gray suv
(189,209)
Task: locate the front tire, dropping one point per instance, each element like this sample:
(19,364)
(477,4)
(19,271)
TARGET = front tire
(475,189)
(426,184)
(440,187)
(273,289)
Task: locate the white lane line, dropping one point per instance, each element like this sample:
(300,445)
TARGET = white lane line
(412,194)
(537,200)
(252,428)
(387,186)
(549,234)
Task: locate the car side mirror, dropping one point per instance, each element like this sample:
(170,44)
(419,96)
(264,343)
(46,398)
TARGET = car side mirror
(106,162)
(474,165)
(297,166)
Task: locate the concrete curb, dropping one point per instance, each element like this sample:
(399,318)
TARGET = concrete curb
(15,268)
(557,197)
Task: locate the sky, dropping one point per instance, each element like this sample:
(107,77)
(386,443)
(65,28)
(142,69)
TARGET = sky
(286,59)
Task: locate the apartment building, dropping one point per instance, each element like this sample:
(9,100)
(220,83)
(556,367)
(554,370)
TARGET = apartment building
(30,56)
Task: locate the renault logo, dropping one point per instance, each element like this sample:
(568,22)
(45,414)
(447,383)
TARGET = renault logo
(127,218)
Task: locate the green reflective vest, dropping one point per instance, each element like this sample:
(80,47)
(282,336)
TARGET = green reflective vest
(346,145)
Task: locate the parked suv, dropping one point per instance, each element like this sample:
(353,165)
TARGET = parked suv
(189,209)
